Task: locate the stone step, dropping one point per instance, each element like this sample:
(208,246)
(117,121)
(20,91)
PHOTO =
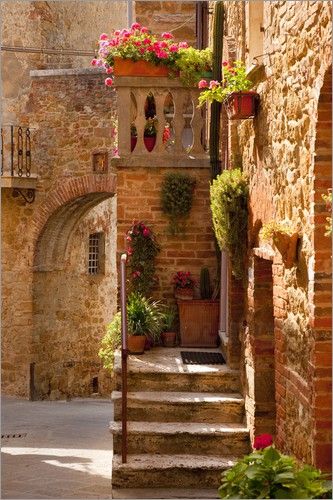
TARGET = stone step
(163,369)
(180,471)
(181,407)
(189,438)
(164,493)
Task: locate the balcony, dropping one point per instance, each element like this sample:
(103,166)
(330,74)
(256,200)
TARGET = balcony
(180,139)
(16,162)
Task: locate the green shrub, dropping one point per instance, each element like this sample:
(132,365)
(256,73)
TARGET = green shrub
(228,195)
(193,63)
(176,198)
(111,341)
(268,474)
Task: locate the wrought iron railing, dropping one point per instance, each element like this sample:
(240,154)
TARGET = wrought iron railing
(124,355)
(15,151)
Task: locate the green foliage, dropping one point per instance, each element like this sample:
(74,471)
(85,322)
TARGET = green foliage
(229,194)
(267,231)
(168,319)
(144,316)
(111,341)
(176,198)
(142,251)
(205,287)
(328,199)
(269,474)
(193,63)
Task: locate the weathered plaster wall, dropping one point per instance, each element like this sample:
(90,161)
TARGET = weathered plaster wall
(278,150)
(53,311)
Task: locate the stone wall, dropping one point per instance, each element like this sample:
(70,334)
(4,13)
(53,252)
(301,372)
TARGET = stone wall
(278,151)
(54,312)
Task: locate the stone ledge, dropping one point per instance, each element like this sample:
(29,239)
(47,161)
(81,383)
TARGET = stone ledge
(158,161)
(66,72)
(8,181)
(266,253)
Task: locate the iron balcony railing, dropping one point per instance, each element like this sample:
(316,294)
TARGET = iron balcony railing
(15,151)
(124,354)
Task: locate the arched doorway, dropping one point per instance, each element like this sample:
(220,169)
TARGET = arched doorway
(74,293)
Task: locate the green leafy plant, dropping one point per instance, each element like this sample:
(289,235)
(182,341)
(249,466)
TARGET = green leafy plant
(144,316)
(111,341)
(234,80)
(176,199)
(142,250)
(168,319)
(328,199)
(193,63)
(228,196)
(266,473)
(270,228)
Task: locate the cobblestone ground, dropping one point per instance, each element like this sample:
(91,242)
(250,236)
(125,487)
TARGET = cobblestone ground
(64,452)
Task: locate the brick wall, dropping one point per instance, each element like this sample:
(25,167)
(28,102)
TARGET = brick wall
(138,197)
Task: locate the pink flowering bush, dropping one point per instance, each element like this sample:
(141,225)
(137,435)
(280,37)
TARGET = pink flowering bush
(142,249)
(234,80)
(137,43)
(183,279)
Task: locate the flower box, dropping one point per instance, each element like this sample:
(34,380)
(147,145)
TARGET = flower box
(199,323)
(127,67)
(242,105)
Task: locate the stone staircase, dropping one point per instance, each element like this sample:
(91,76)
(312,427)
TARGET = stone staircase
(185,426)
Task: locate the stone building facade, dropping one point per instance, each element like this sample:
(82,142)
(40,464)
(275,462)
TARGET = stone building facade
(283,321)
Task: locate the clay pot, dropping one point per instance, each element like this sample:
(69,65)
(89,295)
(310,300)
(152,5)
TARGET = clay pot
(184,293)
(149,142)
(136,344)
(127,67)
(242,105)
(168,339)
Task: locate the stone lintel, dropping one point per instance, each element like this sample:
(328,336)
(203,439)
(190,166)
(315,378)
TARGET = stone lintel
(159,161)
(8,181)
(265,252)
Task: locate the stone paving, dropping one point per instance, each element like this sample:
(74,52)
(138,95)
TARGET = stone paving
(66,453)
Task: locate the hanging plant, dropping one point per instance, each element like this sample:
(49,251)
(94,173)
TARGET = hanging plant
(142,250)
(228,196)
(176,199)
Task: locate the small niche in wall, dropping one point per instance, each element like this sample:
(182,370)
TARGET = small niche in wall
(100,162)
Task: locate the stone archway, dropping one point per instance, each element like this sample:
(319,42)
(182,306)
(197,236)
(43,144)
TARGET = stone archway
(72,306)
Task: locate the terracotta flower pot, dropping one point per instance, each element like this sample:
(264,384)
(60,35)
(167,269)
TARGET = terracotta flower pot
(127,67)
(242,105)
(184,293)
(136,344)
(168,339)
(149,142)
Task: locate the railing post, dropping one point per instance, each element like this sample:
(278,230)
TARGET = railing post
(123,301)
(12,150)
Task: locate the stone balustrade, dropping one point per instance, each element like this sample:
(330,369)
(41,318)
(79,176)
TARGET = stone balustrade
(173,106)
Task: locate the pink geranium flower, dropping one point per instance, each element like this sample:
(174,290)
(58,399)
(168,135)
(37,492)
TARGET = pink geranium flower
(183,45)
(109,70)
(135,26)
(93,62)
(108,82)
(103,36)
(144,30)
(213,84)
(167,35)
(203,84)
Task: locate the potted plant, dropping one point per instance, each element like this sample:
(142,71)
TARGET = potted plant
(194,64)
(176,198)
(184,285)
(144,318)
(267,473)
(234,90)
(199,318)
(137,52)
(168,334)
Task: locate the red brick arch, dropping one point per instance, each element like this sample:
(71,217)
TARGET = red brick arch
(61,211)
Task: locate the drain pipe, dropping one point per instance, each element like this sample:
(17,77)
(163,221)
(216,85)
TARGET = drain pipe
(129,13)
(215,162)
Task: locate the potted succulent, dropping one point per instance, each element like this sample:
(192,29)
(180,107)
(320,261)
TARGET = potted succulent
(234,90)
(168,334)
(184,285)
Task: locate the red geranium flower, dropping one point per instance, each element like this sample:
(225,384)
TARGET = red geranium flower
(262,441)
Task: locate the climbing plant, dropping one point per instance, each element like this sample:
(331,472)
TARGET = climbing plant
(176,199)
(229,194)
(142,250)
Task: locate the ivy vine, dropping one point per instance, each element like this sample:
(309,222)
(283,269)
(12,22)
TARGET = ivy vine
(142,250)
(176,199)
(229,195)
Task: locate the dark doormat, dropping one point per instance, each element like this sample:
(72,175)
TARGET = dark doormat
(202,358)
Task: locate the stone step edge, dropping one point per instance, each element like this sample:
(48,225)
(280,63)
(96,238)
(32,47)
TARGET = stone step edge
(164,462)
(180,397)
(176,428)
(163,493)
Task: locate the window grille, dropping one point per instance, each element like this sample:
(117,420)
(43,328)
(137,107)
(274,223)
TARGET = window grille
(94,263)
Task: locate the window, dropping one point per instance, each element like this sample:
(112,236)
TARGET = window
(96,253)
